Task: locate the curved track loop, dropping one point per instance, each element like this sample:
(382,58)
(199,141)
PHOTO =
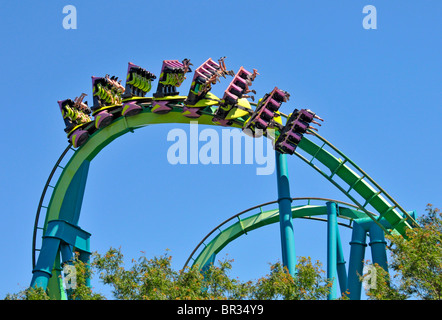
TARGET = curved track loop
(67,196)
(97,142)
(101,138)
(243,225)
(82,157)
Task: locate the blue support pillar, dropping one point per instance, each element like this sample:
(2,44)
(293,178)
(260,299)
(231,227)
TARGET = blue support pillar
(285,214)
(342,273)
(43,268)
(60,237)
(378,246)
(85,257)
(66,253)
(356,264)
(332,224)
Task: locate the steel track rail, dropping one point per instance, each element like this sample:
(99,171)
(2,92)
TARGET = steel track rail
(217,228)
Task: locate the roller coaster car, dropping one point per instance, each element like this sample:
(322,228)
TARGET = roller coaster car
(291,134)
(235,92)
(129,107)
(204,77)
(78,123)
(241,110)
(138,81)
(266,112)
(108,103)
(80,134)
(173,73)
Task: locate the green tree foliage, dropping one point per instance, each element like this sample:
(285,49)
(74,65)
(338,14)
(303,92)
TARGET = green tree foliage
(307,284)
(152,279)
(415,272)
(155,279)
(415,263)
(29,294)
(81,291)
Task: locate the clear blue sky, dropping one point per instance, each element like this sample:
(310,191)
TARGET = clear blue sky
(379,92)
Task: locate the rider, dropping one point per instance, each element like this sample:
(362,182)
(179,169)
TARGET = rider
(74,112)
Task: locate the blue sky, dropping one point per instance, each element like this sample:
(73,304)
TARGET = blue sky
(379,92)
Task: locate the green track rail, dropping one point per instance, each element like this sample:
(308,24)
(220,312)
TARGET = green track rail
(83,155)
(241,224)
(354,179)
(351,179)
(102,138)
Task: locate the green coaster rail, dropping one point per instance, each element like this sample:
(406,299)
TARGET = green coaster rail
(204,254)
(242,225)
(63,210)
(78,166)
(41,207)
(67,195)
(372,193)
(337,167)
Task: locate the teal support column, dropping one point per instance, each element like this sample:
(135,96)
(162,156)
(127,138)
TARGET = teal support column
(61,236)
(66,253)
(342,273)
(332,223)
(43,268)
(356,264)
(378,246)
(85,257)
(66,258)
(285,214)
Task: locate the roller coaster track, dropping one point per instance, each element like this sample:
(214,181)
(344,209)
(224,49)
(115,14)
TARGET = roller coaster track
(375,196)
(85,154)
(241,225)
(42,198)
(67,193)
(353,178)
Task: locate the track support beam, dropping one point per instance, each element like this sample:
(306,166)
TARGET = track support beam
(285,214)
(340,263)
(378,246)
(332,248)
(356,264)
(60,238)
